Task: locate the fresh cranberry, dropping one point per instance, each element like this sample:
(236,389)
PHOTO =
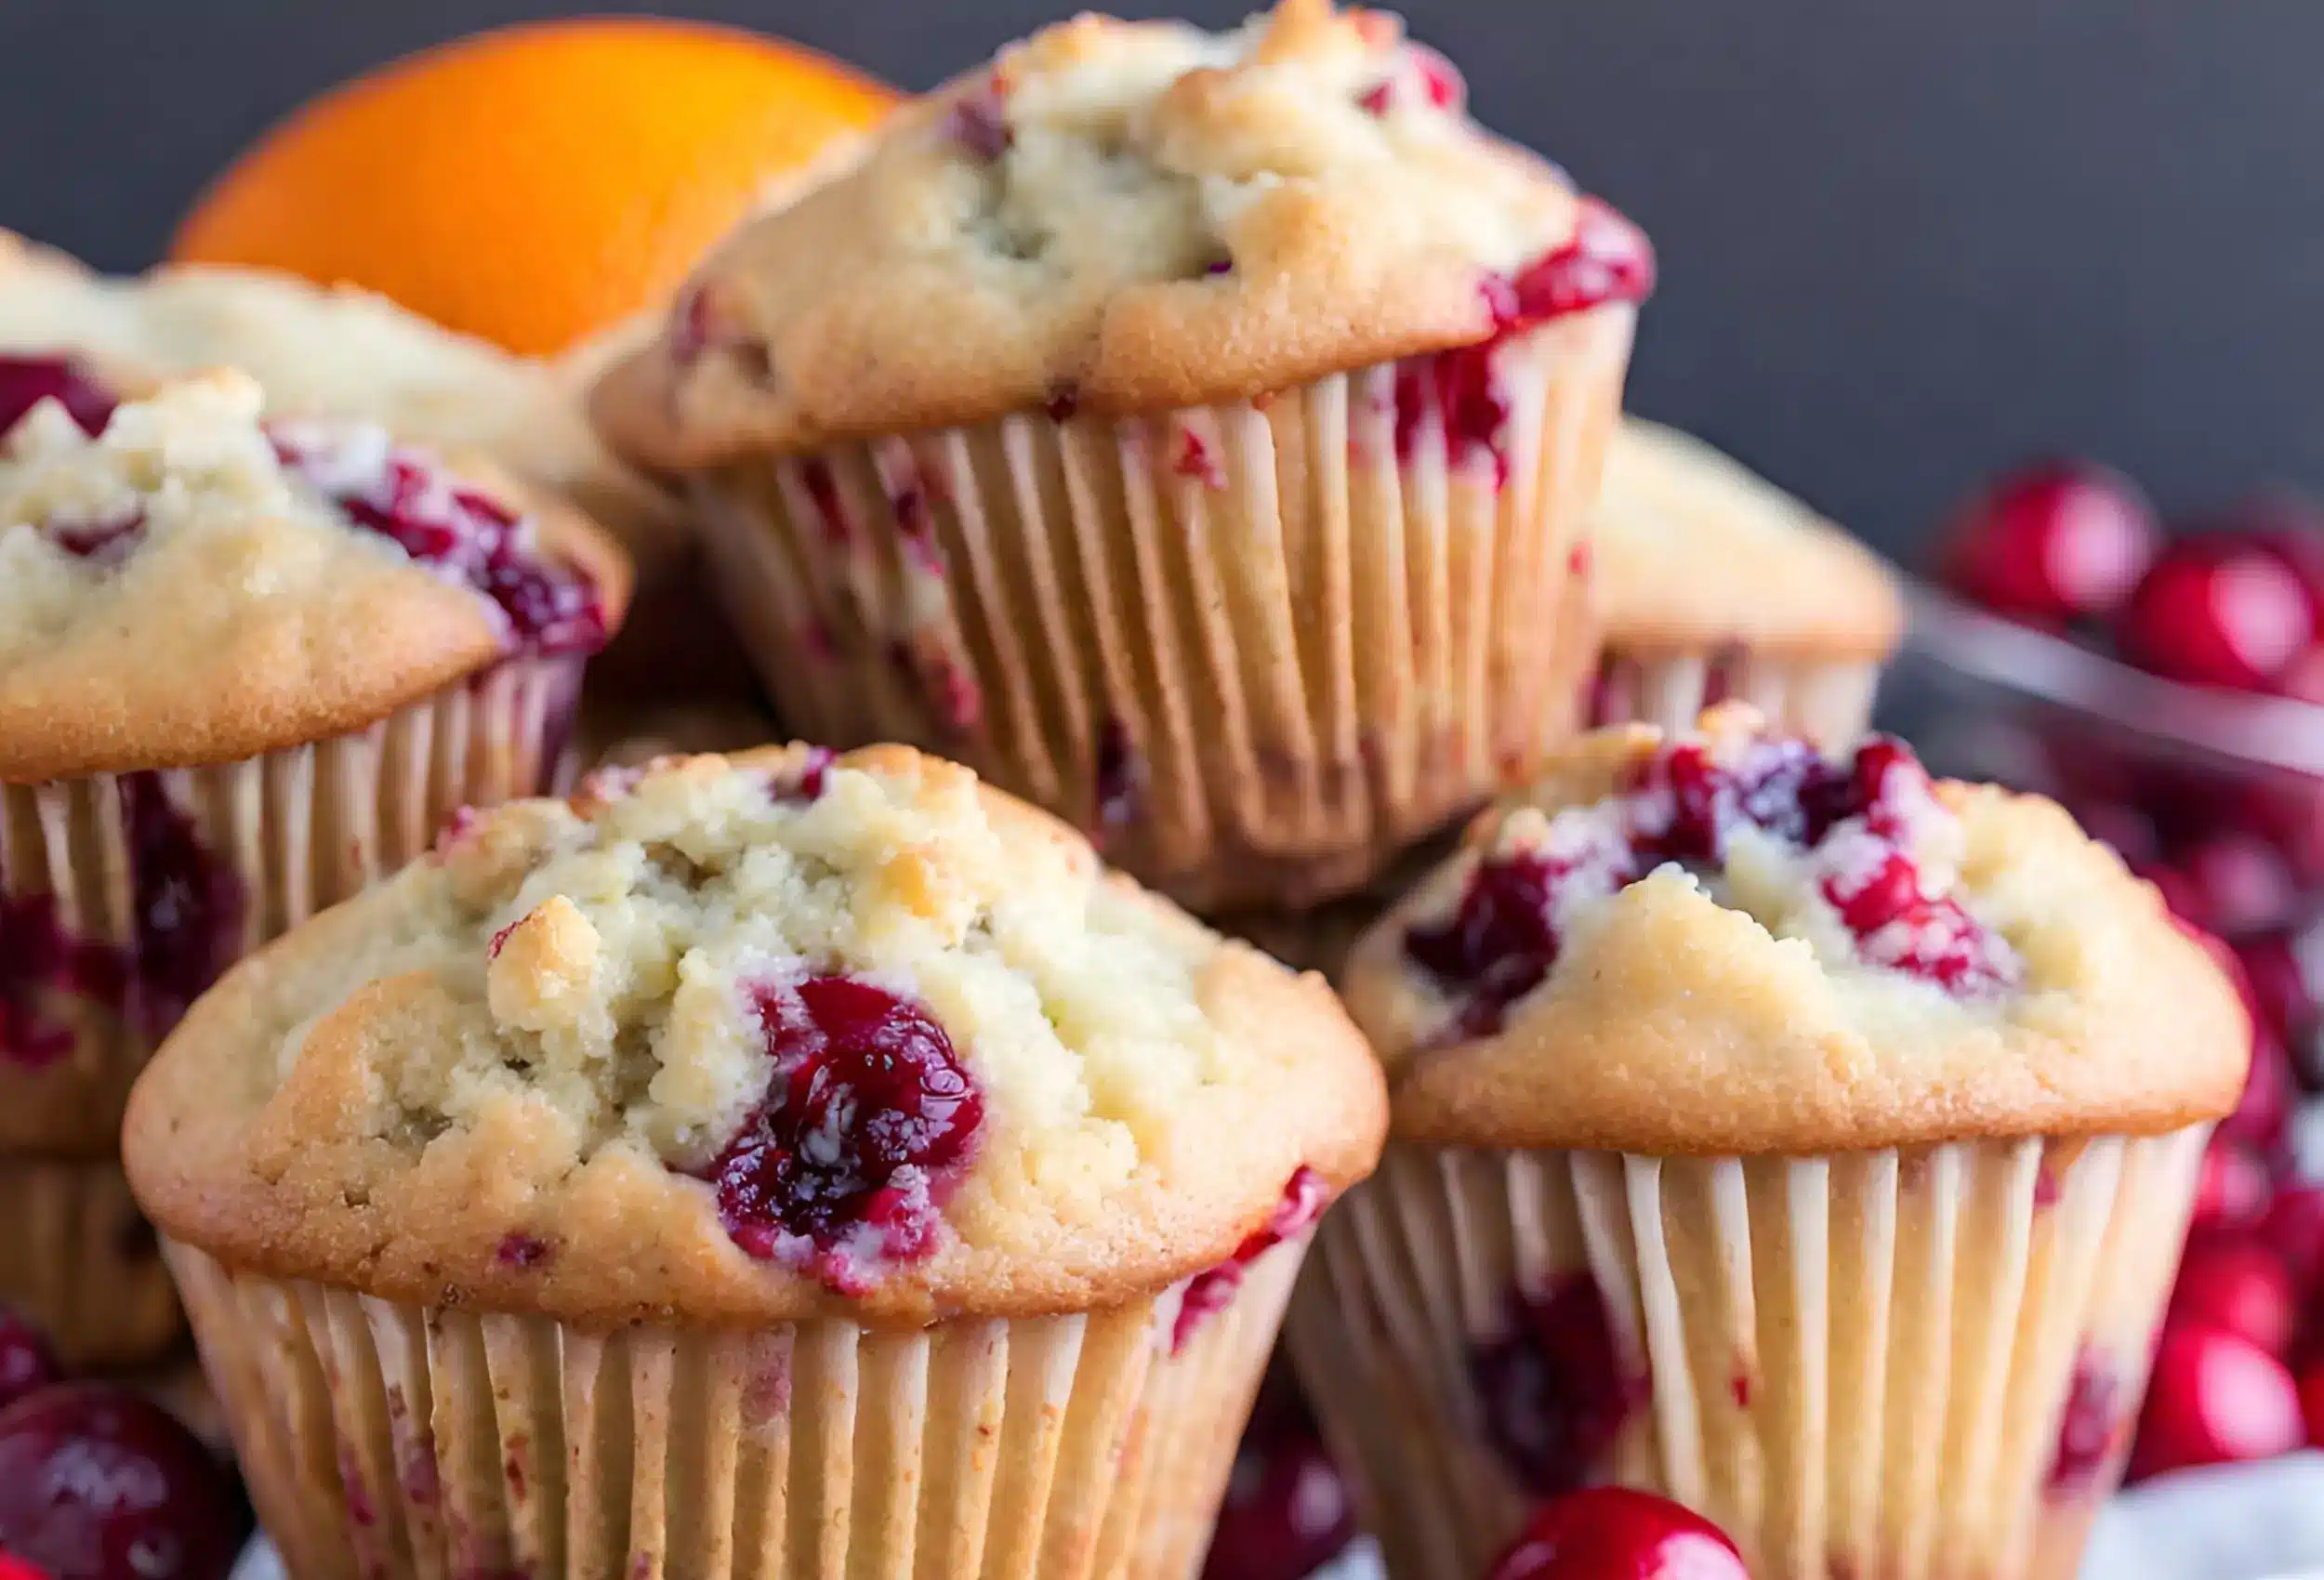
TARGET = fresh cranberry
(867,1121)
(2091,1427)
(2212,612)
(2312,1401)
(1556,1391)
(2239,1286)
(2231,1188)
(2214,1398)
(1305,1197)
(1285,1514)
(1619,1533)
(26,1362)
(25,382)
(1498,945)
(99,1483)
(2293,1229)
(2051,543)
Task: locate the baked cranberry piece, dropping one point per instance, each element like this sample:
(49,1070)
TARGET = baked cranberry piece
(2051,543)
(2239,1284)
(979,121)
(1619,1533)
(26,1362)
(1304,1198)
(1607,259)
(1286,1510)
(2092,1425)
(2214,1398)
(25,382)
(186,908)
(867,1121)
(1556,1392)
(1498,946)
(2216,612)
(100,1483)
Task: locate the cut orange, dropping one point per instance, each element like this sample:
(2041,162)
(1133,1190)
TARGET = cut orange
(533,184)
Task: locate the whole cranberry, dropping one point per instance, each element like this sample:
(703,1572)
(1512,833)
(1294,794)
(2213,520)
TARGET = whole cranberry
(1615,1533)
(1287,1511)
(2312,1400)
(2214,1397)
(2293,1229)
(26,1362)
(15,1568)
(97,1482)
(2216,612)
(2238,1283)
(2231,1188)
(2050,543)
(2238,883)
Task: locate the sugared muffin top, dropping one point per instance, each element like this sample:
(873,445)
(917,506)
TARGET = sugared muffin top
(1728,942)
(1126,217)
(1692,550)
(338,351)
(738,1039)
(181,583)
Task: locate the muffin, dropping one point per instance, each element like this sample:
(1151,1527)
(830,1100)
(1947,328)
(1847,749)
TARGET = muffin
(1789,1135)
(774,1164)
(347,353)
(1191,431)
(245,669)
(1713,582)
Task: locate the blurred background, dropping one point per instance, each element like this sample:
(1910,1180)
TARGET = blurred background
(1901,244)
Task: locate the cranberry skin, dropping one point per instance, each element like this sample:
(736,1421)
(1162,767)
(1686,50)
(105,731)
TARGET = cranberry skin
(1556,1392)
(867,1122)
(2312,1401)
(2051,543)
(26,1362)
(97,1482)
(1617,1533)
(1498,946)
(2214,1397)
(2293,1229)
(2238,1285)
(2214,611)
(25,382)
(2231,1188)
(1287,1511)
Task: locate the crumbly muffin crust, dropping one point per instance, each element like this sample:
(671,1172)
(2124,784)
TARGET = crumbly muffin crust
(180,587)
(551,1038)
(1111,217)
(1692,551)
(1791,993)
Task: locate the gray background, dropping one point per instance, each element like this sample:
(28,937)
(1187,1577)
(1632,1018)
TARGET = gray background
(1903,239)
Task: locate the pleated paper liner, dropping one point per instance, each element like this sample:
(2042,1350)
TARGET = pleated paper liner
(1256,648)
(383,1442)
(1828,701)
(221,860)
(1859,1365)
(77,1257)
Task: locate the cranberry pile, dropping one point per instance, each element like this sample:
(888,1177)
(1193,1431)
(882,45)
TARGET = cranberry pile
(2234,603)
(98,1481)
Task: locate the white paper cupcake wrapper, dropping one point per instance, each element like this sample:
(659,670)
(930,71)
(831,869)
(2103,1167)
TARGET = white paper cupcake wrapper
(382,1441)
(1829,701)
(300,830)
(1304,649)
(77,1257)
(1859,1362)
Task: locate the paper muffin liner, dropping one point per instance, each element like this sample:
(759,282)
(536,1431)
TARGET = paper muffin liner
(1829,701)
(1256,649)
(383,1441)
(273,840)
(79,1259)
(1859,1364)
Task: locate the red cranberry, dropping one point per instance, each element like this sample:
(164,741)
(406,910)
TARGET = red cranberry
(25,382)
(97,1484)
(979,121)
(104,539)
(805,784)
(1498,946)
(2214,1397)
(1557,1391)
(2212,612)
(2293,1229)
(2231,1188)
(26,1362)
(15,1568)
(2051,543)
(186,909)
(1305,1197)
(869,1119)
(2239,1286)
(1617,1533)
(2276,982)
(2263,1112)
(2092,1425)
(1287,1511)
(2312,1401)
(1607,259)
(2240,883)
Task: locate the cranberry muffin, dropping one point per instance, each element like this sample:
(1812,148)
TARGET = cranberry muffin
(1713,582)
(1190,430)
(774,1164)
(245,668)
(1791,1135)
(347,353)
